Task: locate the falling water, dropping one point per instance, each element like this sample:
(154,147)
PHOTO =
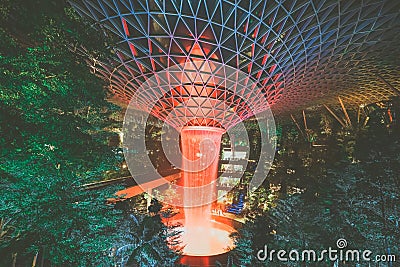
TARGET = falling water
(200,150)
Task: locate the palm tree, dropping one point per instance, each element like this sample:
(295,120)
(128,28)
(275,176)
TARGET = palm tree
(146,241)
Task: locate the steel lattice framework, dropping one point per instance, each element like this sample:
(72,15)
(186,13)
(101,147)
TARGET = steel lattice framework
(300,52)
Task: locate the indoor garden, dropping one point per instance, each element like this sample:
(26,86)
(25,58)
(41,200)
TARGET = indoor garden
(199,133)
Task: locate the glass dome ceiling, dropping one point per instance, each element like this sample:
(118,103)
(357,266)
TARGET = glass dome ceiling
(301,53)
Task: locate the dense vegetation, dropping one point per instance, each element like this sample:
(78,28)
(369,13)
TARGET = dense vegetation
(327,182)
(52,122)
(54,132)
(342,184)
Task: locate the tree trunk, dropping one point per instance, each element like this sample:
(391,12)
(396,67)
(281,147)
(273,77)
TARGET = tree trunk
(14,259)
(42,260)
(35,259)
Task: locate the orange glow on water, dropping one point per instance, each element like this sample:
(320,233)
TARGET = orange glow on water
(212,239)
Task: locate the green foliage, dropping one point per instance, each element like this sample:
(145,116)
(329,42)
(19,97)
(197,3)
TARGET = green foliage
(53,139)
(51,212)
(146,241)
(339,197)
(50,22)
